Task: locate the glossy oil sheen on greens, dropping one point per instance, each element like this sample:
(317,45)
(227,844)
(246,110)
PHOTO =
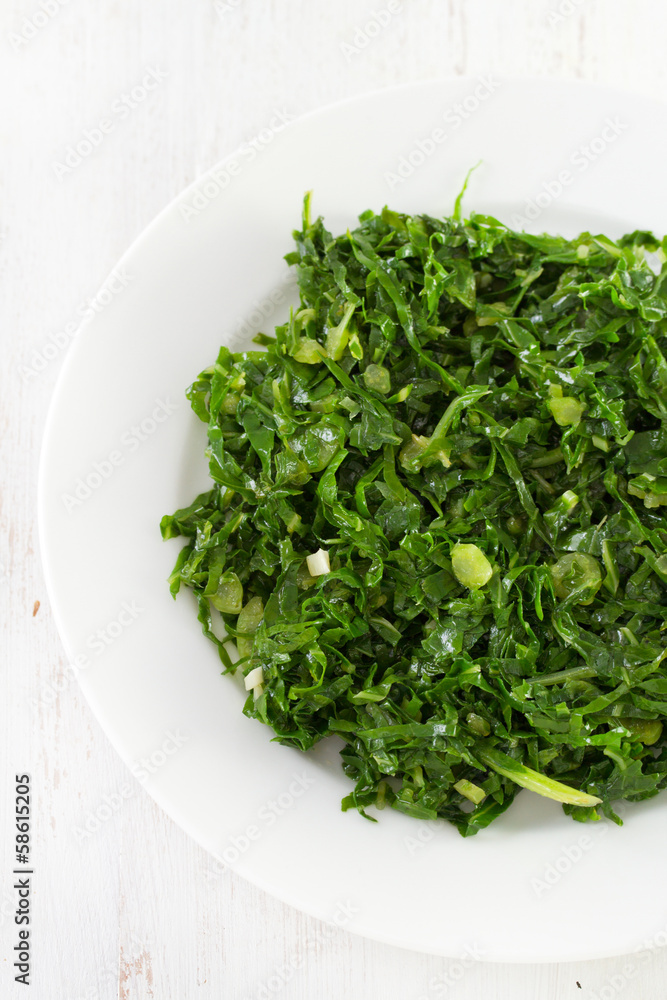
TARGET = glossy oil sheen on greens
(472,423)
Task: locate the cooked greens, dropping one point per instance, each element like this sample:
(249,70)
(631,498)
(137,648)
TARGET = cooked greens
(436,527)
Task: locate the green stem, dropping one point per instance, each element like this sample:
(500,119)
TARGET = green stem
(549,458)
(572,673)
(532,780)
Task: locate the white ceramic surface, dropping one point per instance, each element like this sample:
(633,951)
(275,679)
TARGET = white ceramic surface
(527,889)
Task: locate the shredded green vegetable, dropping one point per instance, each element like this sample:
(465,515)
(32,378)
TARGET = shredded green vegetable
(436,528)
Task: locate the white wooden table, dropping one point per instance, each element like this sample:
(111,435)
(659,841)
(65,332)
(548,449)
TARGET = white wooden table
(127,910)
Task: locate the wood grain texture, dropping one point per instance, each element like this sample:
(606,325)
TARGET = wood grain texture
(131,909)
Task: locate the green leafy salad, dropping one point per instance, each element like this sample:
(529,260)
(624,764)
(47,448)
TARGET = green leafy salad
(436,522)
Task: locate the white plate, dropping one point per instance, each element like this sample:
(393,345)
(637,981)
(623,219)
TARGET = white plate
(533,887)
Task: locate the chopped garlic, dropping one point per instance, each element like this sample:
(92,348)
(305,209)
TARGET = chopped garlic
(318,563)
(254,678)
